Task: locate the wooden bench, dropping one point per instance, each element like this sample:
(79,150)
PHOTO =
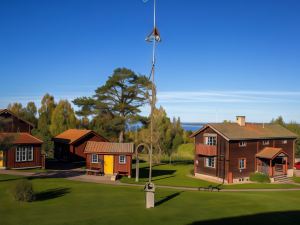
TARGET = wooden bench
(209,188)
(93,172)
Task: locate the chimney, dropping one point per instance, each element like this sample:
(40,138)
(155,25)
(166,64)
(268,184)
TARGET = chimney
(241,120)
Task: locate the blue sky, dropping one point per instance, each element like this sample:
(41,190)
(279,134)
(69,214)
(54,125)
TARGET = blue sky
(217,59)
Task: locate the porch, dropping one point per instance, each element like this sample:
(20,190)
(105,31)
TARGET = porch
(272,162)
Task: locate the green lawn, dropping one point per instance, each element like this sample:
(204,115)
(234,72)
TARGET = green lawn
(75,203)
(297,179)
(180,174)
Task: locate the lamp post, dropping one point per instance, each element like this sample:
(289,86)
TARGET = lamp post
(153,37)
(137,163)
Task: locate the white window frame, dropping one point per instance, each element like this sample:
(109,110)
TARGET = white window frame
(30,153)
(24,154)
(242,165)
(284,142)
(18,154)
(122,159)
(211,140)
(266,142)
(94,158)
(210,162)
(242,144)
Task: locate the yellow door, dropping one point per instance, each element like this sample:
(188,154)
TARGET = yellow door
(1,159)
(108,164)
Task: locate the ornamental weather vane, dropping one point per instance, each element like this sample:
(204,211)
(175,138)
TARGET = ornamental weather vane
(153,37)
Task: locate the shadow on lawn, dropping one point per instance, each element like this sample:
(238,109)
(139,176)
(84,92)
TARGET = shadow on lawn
(272,218)
(11,179)
(51,194)
(167,198)
(144,173)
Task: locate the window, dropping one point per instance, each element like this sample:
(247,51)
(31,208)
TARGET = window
(210,140)
(242,164)
(24,154)
(210,162)
(266,142)
(284,142)
(30,154)
(243,144)
(95,158)
(122,159)
(18,155)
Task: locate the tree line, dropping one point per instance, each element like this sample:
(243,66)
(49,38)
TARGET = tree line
(112,111)
(292,126)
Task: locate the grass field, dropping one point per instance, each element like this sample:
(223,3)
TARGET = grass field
(180,174)
(66,202)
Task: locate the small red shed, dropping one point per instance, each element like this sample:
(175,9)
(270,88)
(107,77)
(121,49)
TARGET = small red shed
(109,158)
(70,144)
(24,153)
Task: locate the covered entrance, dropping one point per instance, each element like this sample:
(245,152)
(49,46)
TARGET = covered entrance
(272,161)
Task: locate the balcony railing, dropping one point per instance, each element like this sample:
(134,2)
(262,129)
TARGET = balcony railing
(208,150)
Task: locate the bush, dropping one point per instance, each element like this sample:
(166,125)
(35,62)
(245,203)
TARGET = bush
(259,177)
(23,191)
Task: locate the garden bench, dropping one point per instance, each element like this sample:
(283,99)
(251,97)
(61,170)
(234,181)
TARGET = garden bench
(209,188)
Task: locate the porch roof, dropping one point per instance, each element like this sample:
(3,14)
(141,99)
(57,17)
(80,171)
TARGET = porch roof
(269,153)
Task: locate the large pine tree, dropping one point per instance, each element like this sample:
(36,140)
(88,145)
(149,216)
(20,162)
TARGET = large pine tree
(116,103)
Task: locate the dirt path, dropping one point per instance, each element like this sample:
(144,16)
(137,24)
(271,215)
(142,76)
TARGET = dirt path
(76,175)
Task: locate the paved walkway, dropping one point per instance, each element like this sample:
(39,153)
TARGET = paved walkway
(80,176)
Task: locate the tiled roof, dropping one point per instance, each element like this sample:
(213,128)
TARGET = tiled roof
(233,131)
(73,135)
(22,138)
(269,153)
(108,147)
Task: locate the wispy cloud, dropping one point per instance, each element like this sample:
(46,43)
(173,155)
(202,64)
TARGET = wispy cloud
(196,106)
(228,97)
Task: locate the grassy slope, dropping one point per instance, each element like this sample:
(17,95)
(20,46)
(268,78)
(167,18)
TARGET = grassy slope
(179,174)
(100,204)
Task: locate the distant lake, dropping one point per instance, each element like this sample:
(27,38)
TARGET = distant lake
(185,126)
(192,126)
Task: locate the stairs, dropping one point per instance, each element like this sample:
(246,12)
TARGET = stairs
(282,179)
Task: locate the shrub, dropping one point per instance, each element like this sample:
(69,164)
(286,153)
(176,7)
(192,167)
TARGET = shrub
(23,191)
(259,177)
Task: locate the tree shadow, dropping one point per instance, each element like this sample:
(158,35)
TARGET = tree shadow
(12,179)
(271,218)
(56,174)
(60,165)
(167,198)
(51,194)
(178,162)
(144,172)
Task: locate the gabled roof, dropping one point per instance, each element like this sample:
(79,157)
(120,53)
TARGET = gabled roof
(270,153)
(108,147)
(73,135)
(22,138)
(251,131)
(15,115)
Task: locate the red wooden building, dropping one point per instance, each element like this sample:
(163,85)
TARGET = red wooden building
(109,158)
(26,149)
(70,144)
(229,152)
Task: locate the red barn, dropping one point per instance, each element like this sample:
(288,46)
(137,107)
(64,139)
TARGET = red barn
(70,144)
(109,158)
(26,149)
